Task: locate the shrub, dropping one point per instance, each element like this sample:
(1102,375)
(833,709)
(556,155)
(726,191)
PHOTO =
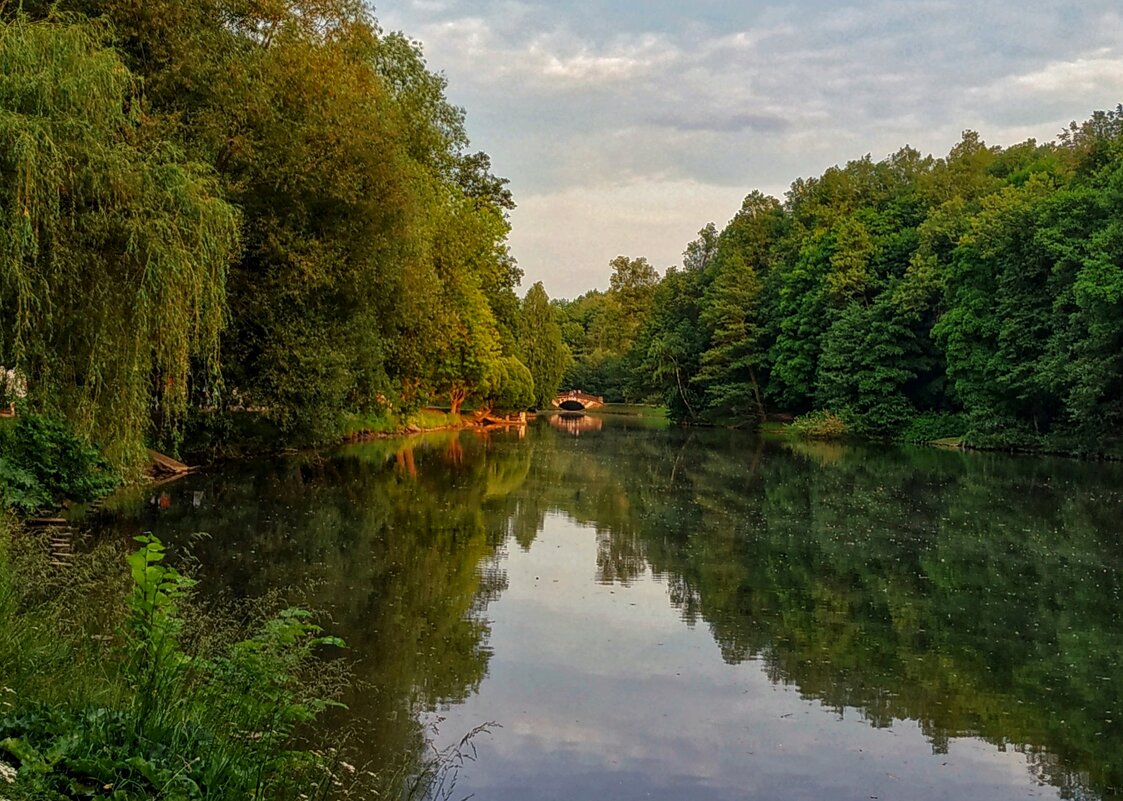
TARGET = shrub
(43,462)
(819,425)
(931,426)
(165,715)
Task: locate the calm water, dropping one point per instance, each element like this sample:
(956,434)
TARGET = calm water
(652,614)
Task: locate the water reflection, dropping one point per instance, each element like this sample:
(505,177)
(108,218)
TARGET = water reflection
(950,620)
(575,423)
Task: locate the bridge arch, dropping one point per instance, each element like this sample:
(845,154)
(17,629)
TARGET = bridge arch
(574,400)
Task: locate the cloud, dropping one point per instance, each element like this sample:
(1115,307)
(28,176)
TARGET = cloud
(621,125)
(550,60)
(1094,74)
(655,218)
(720,122)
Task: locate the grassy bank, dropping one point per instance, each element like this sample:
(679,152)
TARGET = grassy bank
(633,410)
(210,436)
(356,426)
(945,430)
(115,684)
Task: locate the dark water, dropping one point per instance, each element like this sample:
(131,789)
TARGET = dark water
(651,614)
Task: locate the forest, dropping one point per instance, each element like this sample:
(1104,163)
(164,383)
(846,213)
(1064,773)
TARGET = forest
(196,221)
(978,295)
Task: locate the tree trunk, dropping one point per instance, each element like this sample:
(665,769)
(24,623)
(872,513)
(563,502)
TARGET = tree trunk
(756,394)
(456,397)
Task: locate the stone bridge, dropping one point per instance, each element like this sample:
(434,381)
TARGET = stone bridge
(574,400)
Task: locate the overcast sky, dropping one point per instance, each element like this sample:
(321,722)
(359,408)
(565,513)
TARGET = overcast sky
(624,127)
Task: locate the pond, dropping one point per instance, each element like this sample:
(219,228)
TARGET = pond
(633,612)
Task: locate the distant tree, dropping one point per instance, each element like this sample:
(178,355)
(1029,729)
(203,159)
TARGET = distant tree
(700,253)
(541,345)
(632,284)
(511,388)
(669,346)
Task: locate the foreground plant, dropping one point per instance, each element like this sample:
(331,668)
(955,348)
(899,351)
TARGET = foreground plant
(176,719)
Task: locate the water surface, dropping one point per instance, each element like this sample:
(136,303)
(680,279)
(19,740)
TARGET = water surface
(661,614)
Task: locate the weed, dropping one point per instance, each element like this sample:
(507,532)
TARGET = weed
(168,714)
(819,425)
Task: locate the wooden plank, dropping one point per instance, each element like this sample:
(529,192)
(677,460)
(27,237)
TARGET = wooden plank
(165,465)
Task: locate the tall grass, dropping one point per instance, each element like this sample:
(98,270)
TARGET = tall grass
(119,689)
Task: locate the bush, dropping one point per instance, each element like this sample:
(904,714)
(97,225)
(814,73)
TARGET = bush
(43,462)
(164,714)
(931,426)
(819,425)
(512,387)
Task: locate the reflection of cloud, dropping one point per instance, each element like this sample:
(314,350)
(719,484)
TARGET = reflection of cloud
(604,692)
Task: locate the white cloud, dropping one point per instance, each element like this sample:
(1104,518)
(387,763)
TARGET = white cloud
(652,218)
(555,59)
(1095,74)
(625,133)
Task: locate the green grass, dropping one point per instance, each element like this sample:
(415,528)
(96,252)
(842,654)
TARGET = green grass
(386,423)
(115,684)
(632,410)
(427,419)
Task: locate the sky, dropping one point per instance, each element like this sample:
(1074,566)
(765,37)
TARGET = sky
(625,127)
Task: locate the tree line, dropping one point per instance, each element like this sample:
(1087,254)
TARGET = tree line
(223,204)
(980,293)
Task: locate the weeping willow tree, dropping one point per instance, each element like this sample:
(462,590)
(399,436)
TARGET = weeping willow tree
(113,247)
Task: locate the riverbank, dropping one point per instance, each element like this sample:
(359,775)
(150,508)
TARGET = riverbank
(213,437)
(827,428)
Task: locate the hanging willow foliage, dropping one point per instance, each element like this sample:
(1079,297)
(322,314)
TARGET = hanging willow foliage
(113,247)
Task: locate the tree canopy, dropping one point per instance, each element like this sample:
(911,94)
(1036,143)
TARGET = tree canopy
(241,232)
(977,292)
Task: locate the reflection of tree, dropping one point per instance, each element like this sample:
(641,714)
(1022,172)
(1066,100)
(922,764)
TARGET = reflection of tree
(965,593)
(394,543)
(620,557)
(976,595)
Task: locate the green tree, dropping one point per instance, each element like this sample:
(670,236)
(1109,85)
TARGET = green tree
(512,389)
(632,284)
(114,246)
(733,367)
(670,345)
(541,345)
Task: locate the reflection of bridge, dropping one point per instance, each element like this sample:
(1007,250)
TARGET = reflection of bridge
(575,400)
(576,424)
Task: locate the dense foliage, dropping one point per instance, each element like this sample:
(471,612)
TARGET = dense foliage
(599,329)
(164,707)
(981,292)
(196,220)
(43,463)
